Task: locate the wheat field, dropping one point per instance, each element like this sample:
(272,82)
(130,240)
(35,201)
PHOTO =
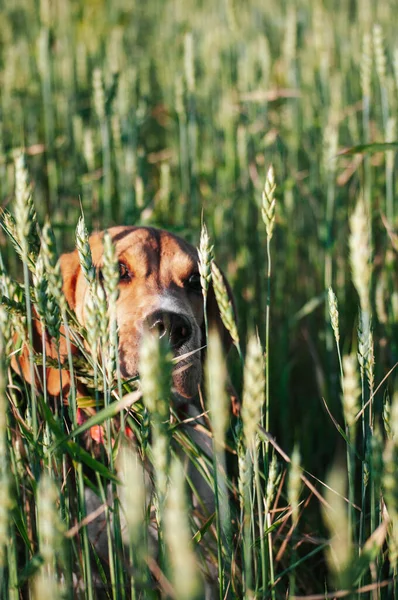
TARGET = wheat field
(267,130)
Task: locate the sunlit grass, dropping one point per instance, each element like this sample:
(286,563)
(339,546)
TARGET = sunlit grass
(171,113)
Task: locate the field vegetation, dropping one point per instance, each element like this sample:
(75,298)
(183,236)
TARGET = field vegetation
(271,127)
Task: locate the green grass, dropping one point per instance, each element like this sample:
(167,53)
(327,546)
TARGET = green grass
(160,112)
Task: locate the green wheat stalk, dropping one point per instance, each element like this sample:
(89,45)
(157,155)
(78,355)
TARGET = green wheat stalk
(268,214)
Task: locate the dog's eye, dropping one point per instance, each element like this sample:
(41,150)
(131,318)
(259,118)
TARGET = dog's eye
(124,273)
(194,282)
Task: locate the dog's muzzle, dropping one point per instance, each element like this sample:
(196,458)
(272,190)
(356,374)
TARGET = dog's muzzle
(184,337)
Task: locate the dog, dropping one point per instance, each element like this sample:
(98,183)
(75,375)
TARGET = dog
(160,290)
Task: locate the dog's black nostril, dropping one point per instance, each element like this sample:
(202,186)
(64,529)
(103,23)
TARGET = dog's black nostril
(180,330)
(177,327)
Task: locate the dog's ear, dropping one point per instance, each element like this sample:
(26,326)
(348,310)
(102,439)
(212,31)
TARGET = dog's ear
(58,384)
(213,313)
(70,267)
(21,364)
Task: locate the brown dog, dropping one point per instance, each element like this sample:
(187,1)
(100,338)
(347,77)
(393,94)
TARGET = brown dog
(159,288)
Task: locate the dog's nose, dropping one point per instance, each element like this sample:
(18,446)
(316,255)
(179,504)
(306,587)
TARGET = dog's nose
(176,327)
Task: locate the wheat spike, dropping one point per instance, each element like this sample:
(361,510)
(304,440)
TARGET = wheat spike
(132,492)
(334,314)
(206,257)
(268,202)
(351,389)
(110,270)
(84,250)
(253,389)
(99,94)
(272,483)
(25,214)
(379,52)
(224,303)
(216,376)
(360,253)
(336,519)
(155,377)
(366,64)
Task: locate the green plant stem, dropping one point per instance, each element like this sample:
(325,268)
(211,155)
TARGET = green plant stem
(366,163)
(373,494)
(43,345)
(265,446)
(340,365)
(271,558)
(205,315)
(13,587)
(247,540)
(60,382)
(351,481)
(107,166)
(48,115)
(72,394)
(260,519)
(218,528)
(330,202)
(33,406)
(86,545)
(265,423)
(184,154)
(132,562)
(111,553)
(114,573)
(389,171)
(239,350)
(192,146)
(115,341)
(245,486)
(363,487)
(253,531)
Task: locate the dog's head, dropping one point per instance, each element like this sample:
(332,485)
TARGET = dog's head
(159,290)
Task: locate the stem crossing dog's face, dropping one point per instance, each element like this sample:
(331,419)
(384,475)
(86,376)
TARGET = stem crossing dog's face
(159,290)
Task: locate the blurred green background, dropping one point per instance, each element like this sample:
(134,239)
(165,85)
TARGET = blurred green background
(156,112)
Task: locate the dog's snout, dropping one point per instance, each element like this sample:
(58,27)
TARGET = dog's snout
(176,327)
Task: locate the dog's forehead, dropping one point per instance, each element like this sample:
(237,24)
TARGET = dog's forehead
(148,246)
